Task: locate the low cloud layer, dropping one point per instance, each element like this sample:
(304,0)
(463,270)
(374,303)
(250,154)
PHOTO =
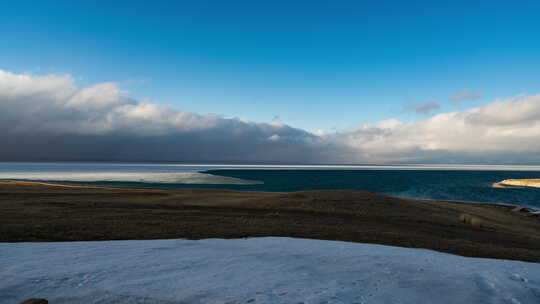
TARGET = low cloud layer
(51,118)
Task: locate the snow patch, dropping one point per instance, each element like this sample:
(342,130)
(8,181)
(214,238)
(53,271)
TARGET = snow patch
(257,270)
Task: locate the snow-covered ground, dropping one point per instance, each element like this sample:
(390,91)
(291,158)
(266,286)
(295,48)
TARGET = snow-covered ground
(257,270)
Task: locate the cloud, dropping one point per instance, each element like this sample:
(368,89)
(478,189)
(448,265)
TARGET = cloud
(51,118)
(425,108)
(465,95)
(274,137)
(505,131)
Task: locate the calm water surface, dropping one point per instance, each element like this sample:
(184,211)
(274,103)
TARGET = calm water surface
(462,183)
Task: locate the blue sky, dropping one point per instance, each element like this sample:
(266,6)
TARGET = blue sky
(329,65)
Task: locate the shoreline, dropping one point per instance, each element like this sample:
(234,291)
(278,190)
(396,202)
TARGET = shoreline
(77,185)
(45,212)
(515,183)
(53,184)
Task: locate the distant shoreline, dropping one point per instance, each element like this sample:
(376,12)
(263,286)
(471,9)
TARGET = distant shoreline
(78,185)
(530,182)
(53,184)
(44,212)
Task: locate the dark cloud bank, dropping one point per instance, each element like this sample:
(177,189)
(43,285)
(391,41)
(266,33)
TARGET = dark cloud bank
(48,118)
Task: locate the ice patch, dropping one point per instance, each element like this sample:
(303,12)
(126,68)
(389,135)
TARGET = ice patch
(256,270)
(129,177)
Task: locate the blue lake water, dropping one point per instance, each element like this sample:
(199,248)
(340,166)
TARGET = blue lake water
(461,183)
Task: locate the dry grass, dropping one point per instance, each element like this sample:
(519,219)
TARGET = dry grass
(42,212)
(472,221)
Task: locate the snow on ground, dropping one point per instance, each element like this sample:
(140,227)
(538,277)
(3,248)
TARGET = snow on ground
(257,270)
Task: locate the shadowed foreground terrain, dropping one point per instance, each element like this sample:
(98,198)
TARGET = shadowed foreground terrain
(48,212)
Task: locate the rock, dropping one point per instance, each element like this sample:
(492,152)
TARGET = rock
(519,209)
(35,301)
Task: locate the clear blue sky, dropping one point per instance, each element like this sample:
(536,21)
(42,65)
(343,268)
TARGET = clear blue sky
(314,64)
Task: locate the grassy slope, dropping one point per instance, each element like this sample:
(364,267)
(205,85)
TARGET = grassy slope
(41,212)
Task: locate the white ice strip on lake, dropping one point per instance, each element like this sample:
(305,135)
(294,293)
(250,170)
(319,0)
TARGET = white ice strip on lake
(136,177)
(256,270)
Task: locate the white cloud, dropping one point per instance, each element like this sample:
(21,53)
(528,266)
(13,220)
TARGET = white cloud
(100,122)
(505,129)
(274,137)
(51,118)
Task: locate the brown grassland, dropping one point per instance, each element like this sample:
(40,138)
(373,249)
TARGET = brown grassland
(39,212)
